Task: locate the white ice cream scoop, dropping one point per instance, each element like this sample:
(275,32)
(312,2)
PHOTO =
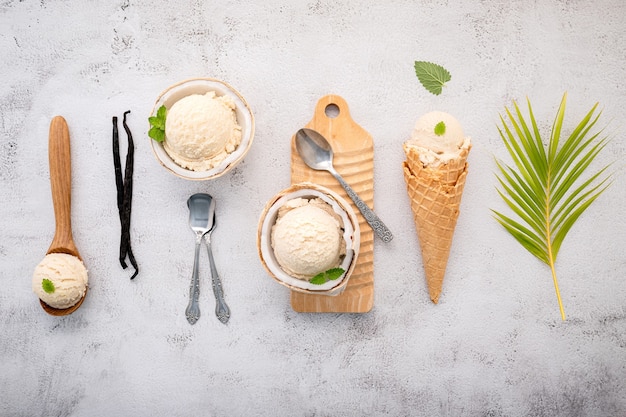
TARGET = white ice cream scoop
(438,137)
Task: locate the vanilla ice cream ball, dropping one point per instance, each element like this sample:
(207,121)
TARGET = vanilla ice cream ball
(439,138)
(307,238)
(201,130)
(439,132)
(60,280)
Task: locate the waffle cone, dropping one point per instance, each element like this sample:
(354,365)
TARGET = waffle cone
(435,194)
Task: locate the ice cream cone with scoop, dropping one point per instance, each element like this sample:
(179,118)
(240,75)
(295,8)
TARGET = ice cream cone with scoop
(435,172)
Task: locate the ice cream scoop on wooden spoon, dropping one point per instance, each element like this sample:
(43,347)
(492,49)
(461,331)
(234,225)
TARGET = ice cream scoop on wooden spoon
(60,280)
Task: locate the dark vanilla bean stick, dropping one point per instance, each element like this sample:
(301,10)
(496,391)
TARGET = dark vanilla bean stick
(124,192)
(120,188)
(128,193)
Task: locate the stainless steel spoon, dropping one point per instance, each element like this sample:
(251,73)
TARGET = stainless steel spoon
(316,152)
(202,222)
(221,309)
(201,208)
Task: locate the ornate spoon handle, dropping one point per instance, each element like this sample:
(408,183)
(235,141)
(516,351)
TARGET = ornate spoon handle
(221,308)
(193,310)
(372,219)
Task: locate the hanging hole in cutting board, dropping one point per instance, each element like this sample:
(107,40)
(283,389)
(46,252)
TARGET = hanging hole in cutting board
(332,111)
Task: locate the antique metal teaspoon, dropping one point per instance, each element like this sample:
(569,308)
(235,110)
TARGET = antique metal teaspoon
(202,222)
(316,152)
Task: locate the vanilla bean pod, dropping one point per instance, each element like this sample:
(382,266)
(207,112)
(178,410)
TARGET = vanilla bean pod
(128,192)
(124,193)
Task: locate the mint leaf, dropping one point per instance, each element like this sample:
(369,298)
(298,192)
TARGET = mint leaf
(432,76)
(330,275)
(162,113)
(318,279)
(440,128)
(334,273)
(157,125)
(157,134)
(47,285)
(156,122)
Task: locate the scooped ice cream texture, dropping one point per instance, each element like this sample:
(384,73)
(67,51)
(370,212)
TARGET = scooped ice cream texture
(60,280)
(201,130)
(307,238)
(438,138)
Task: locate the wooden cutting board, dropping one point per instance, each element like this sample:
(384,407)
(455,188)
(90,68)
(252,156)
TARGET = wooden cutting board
(353,148)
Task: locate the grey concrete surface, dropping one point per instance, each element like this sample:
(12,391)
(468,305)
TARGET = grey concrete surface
(494,346)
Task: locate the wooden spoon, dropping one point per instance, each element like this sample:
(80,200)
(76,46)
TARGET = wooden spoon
(61,184)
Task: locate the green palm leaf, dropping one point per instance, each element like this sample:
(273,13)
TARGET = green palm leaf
(546,187)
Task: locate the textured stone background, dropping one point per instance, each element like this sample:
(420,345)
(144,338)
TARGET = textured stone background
(494,346)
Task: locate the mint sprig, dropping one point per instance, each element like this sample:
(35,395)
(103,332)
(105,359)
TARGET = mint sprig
(47,285)
(157,123)
(330,275)
(432,76)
